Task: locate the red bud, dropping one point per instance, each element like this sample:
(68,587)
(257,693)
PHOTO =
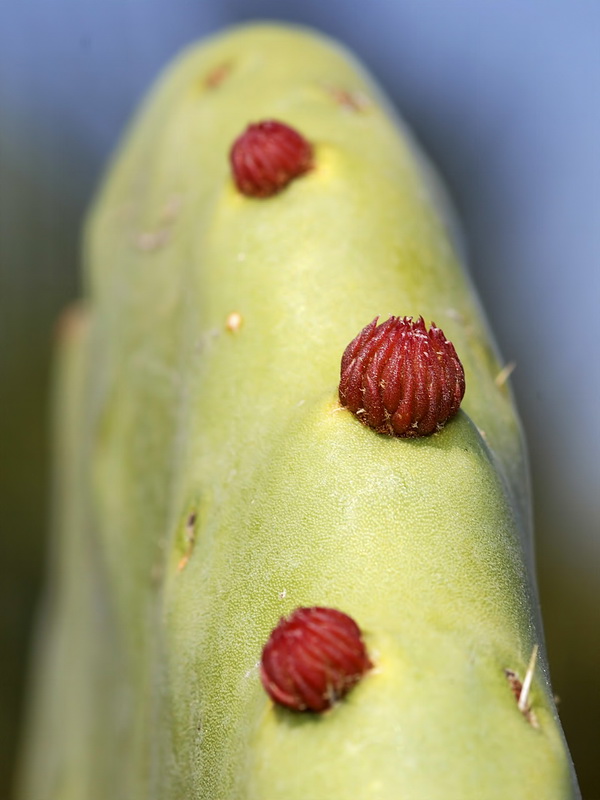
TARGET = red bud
(312,658)
(267,156)
(402,379)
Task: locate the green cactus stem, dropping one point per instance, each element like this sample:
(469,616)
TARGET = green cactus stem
(210,482)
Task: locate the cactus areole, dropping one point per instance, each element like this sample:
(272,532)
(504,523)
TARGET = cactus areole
(402,379)
(313,658)
(230,516)
(268,156)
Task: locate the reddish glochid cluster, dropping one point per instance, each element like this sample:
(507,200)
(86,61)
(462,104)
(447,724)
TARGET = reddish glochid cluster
(400,378)
(267,156)
(312,658)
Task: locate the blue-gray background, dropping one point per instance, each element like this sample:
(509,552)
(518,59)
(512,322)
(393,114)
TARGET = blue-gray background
(505,96)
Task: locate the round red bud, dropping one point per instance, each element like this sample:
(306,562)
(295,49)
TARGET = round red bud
(312,658)
(267,156)
(401,379)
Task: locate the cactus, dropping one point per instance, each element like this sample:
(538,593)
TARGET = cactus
(211,482)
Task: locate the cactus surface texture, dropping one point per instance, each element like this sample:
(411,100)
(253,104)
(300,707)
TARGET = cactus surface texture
(210,482)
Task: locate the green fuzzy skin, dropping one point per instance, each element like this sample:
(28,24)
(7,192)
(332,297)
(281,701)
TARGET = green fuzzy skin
(210,483)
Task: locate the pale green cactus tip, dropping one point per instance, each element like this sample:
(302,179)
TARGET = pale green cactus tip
(265,207)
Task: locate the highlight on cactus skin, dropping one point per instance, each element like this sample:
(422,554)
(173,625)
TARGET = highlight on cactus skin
(313,658)
(268,156)
(223,526)
(402,379)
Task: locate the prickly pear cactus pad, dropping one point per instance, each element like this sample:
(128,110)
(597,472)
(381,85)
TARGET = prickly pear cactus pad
(211,484)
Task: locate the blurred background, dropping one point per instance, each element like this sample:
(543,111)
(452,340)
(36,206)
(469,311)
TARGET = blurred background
(504,95)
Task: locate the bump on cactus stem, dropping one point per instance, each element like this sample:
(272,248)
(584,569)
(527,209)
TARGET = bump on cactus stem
(216,77)
(234,321)
(268,156)
(402,379)
(313,658)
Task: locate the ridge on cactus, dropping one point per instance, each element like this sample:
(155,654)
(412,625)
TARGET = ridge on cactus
(208,481)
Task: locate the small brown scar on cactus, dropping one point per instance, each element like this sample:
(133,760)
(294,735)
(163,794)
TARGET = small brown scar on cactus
(234,321)
(158,237)
(352,100)
(400,378)
(267,157)
(313,658)
(190,539)
(148,241)
(521,690)
(172,207)
(217,75)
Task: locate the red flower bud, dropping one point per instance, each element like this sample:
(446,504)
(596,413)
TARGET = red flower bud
(267,156)
(402,379)
(312,658)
